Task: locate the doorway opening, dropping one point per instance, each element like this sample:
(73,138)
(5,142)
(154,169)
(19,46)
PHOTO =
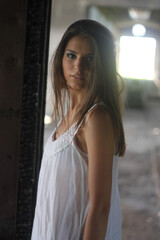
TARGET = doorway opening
(137,57)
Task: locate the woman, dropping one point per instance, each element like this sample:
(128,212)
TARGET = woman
(78,196)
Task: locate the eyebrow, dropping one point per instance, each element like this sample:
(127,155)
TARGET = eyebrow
(76,52)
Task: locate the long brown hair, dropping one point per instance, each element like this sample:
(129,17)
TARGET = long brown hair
(102,83)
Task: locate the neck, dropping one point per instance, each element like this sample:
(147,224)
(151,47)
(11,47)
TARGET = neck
(75,99)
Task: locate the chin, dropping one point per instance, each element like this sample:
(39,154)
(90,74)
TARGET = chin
(77,87)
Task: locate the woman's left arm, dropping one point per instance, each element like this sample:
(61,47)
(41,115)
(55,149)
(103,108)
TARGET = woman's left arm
(99,137)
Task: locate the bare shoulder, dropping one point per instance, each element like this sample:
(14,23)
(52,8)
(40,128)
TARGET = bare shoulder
(99,134)
(98,119)
(97,130)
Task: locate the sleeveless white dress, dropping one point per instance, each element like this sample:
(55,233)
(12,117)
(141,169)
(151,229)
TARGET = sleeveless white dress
(63,197)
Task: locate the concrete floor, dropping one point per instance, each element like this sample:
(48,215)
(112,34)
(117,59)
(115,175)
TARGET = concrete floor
(139,173)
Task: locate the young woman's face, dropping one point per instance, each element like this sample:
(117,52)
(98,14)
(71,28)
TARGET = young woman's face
(76,61)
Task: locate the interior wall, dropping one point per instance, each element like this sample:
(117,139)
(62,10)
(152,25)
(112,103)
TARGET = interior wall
(12,42)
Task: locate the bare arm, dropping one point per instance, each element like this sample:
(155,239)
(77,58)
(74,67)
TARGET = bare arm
(99,139)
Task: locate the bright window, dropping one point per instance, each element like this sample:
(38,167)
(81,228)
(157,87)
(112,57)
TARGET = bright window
(137,57)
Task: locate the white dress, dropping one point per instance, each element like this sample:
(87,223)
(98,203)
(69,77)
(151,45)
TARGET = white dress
(63,198)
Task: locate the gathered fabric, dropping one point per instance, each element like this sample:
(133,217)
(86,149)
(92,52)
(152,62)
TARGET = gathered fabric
(63,195)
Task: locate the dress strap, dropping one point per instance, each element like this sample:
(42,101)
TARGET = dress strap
(94,105)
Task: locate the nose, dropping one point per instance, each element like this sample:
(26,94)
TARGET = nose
(79,65)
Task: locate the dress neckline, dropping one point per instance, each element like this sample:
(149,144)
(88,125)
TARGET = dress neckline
(53,139)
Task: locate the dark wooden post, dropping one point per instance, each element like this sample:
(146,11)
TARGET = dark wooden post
(32,112)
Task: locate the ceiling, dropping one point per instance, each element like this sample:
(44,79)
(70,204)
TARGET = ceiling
(120,13)
(115,13)
(151,4)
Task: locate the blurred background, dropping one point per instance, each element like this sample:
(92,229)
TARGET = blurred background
(24,26)
(136,29)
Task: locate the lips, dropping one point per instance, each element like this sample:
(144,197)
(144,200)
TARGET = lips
(78,77)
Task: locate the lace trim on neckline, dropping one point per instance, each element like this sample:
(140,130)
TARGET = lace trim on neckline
(53,147)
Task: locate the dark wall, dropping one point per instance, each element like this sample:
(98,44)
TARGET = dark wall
(12,43)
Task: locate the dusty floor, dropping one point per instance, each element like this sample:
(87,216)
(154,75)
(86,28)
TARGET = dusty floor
(139,174)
